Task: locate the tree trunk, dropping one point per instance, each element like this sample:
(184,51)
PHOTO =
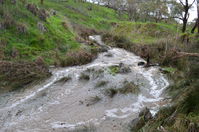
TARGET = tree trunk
(185,19)
(194,27)
(198,14)
(184,25)
(42,2)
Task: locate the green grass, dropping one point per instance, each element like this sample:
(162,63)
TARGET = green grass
(78,13)
(113,70)
(60,36)
(144,33)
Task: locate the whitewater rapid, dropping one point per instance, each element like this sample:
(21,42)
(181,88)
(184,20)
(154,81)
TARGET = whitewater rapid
(52,106)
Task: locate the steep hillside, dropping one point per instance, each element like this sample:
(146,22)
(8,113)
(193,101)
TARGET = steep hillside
(54,33)
(29,29)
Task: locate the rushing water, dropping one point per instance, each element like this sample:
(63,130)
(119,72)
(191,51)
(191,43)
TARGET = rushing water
(53,106)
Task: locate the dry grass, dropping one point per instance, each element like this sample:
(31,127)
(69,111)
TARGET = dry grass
(101,84)
(64,80)
(78,57)
(129,87)
(15,75)
(84,76)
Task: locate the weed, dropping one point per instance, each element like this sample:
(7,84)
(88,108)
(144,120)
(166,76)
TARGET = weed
(129,87)
(114,70)
(93,100)
(111,92)
(84,77)
(101,84)
(63,80)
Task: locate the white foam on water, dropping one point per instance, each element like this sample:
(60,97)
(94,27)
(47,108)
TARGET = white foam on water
(120,55)
(72,126)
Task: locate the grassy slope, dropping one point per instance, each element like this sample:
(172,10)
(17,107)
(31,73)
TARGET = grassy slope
(57,44)
(145,33)
(35,43)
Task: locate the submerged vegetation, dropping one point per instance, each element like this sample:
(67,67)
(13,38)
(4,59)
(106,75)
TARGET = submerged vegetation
(127,88)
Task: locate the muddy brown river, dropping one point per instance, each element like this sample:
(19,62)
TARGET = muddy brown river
(81,104)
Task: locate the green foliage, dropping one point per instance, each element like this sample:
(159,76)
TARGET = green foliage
(169,69)
(114,70)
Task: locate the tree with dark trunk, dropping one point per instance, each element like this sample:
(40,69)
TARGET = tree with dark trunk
(198,14)
(186,7)
(196,25)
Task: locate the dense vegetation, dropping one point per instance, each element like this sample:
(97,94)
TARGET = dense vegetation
(34,36)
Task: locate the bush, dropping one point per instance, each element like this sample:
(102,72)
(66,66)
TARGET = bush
(79,57)
(84,77)
(129,87)
(15,75)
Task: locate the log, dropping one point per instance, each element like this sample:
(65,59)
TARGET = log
(185,54)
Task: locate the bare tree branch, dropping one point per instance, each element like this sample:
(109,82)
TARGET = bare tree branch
(177,17)
(192,4)
(182,2)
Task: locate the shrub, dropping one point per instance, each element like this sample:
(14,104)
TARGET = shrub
(15,75)
(84,77)
(129,87)
(79,57)
(8,21)
(114,69)
(21,28)
(111,92)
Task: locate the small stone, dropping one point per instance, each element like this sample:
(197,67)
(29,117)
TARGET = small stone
(141,63)
(146,114)
(41,27)
(53,12)
(124,68)
(109,55)
(136,124)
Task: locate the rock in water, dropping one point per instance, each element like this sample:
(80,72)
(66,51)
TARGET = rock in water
(136,124)
(141,63)
(146,114)
(124,68)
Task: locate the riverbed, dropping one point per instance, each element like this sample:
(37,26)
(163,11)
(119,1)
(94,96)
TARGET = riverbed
(80,104)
